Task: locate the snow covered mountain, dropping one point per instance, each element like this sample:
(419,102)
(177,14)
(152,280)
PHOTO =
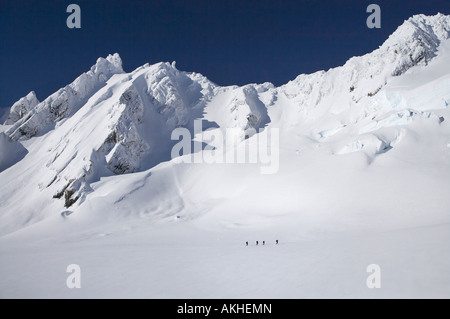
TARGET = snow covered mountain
(364,147)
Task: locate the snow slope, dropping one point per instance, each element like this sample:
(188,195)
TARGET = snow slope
(363,178)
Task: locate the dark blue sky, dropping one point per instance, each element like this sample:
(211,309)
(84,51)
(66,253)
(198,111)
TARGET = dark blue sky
(230,42)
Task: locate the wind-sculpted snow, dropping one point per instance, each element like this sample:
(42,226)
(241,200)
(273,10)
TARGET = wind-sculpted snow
(22,107)
(240,108)
(173,93)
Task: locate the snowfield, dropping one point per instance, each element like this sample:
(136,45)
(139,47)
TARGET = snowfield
(363,178)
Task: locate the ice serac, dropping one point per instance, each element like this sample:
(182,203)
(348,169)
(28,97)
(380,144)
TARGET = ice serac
(21,108)
(67,100)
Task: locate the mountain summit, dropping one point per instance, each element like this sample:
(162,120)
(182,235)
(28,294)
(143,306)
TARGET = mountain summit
(108,122)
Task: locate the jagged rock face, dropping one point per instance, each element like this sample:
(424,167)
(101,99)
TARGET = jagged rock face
(124,145)
(421,37)
(109,122)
